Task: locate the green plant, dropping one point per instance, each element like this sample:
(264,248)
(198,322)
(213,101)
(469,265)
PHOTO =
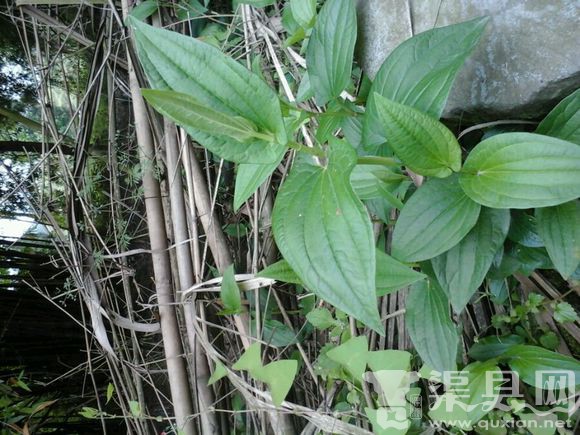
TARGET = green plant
(452,225)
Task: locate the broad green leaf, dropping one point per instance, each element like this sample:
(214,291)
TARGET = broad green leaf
(219,372)
(522,170)
(538,424)
(523,230)
(471,402)
(352,355)
(372,181)
(305,91)
(461,270)
(434,219)
(321,318)
(492,347)
(420,72)
(251,360)
(303,11)
(251,176)
(144,9)
(230,292)
(325,234)
(330,49)
(279,375)
(527,361)
(389,360)
(430,326)
(564,313)
(388,421)
(254,3)
(276,333)
(110,392)
(186,65)
(187,112)
(559,228)
(422,143)
(563,121)
(135,408)
(280,271)
(392,275)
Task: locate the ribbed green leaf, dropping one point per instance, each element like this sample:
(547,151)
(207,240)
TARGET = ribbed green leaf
(183,64)
(352,355)
(527,361)
(144,9)
(462,269)
(559,228)
(491,347)
(563,121)
(422,143)
(230,292)
(522,170)
(430,326)
(434,219)
(468,403)
(420,73)
(371,181)
(280,271)
(303,11)
(392,275)
(279,375)
(187,112)
(325,234)
(251,176)
(330,49)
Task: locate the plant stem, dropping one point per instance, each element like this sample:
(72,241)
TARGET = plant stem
(377,160)
(313,151)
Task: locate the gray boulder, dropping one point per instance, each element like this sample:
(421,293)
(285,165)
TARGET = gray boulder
(528,58)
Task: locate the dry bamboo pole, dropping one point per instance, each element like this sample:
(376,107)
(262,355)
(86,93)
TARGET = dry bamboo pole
(176,368)
(199,369)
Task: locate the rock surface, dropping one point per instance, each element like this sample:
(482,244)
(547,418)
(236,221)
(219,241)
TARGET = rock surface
(528,58)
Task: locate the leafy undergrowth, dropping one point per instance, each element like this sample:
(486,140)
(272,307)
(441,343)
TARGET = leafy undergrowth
(375,271)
